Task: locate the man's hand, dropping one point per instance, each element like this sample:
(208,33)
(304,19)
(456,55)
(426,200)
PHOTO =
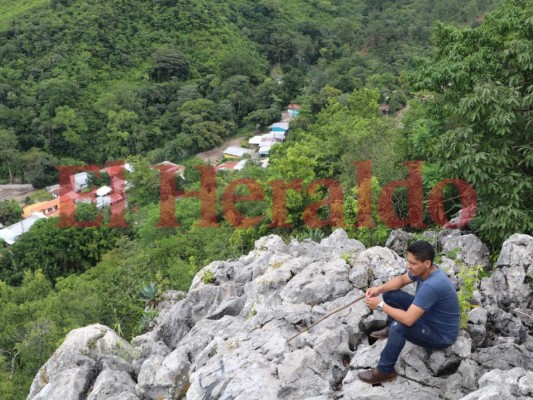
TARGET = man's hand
(373,291)
(372,302)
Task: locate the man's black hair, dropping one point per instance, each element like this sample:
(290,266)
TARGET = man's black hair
(422,250)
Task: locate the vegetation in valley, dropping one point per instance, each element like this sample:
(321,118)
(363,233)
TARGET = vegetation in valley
(86,82)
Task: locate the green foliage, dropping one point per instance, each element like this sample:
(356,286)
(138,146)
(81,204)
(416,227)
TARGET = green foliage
(347,257)
(145,182)
(86,212)
(316,235)
(252,313)
(38,196)
(372,236)
(57,251)
(10,212)
(452,254)
(149,294)
(469,278)
(208,277)
(478,118)
(34,321)
(146,320)
(102,179)
(71,88)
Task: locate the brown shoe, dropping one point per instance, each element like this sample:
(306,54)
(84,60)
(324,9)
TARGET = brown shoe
(382,334)
(373,376)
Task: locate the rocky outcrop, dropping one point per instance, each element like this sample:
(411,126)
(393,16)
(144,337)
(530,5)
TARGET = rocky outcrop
(227,338)
(93,363)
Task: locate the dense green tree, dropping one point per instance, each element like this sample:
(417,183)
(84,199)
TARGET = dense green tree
(145,183)
(39,168)
(58,251)
(169,63)
(10,212)
(9,154)
(481,94)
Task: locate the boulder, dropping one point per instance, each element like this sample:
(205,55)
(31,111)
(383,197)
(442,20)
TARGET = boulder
(75,366)
(398,241)
(468,249)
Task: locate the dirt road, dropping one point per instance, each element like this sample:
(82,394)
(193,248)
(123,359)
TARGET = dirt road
(215,155)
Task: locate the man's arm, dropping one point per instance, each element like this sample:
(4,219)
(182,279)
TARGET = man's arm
(408,317)
(395,283)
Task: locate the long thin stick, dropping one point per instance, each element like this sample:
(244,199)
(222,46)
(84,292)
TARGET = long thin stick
(523,313)
(327,316)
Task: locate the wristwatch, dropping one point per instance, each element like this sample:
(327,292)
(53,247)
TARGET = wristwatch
(379,307)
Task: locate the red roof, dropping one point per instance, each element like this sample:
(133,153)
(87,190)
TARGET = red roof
(72,195)
(117,183)
(171,166)
(294,107)
(115,197)
(89,195)
(115,170)
(226,165)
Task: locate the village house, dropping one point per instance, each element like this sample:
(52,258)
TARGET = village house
(174,168)
(294,110)
(226,166)
(279,127)
(10,234)
(79,181)
(384,108)
(236,152)
(49,208)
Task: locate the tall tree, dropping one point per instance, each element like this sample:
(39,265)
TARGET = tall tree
(481,83)
(9,153)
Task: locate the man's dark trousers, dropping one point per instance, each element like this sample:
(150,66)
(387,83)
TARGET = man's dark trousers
(420,333)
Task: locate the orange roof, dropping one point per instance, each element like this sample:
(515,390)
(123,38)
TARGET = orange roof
(41,207)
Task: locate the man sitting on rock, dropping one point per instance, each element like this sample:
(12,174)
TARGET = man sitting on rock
(429,319)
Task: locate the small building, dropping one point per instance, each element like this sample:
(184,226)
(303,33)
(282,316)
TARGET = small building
(240,165)
(294,110)
(226,166)
(264,151)
(236,152)
(49,208)
(174,168)
(115,170)
(279,136)
(255,141)
(103,191)
(12,232)
(79,181)
(267,141)
(384,108)
(279,127)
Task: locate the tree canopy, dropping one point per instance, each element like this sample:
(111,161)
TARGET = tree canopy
(478,107)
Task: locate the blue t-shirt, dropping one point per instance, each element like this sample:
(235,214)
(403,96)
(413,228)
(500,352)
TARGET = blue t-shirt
(437,297)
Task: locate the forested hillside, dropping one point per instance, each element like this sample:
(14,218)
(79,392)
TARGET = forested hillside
(91,81)
(85,82)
